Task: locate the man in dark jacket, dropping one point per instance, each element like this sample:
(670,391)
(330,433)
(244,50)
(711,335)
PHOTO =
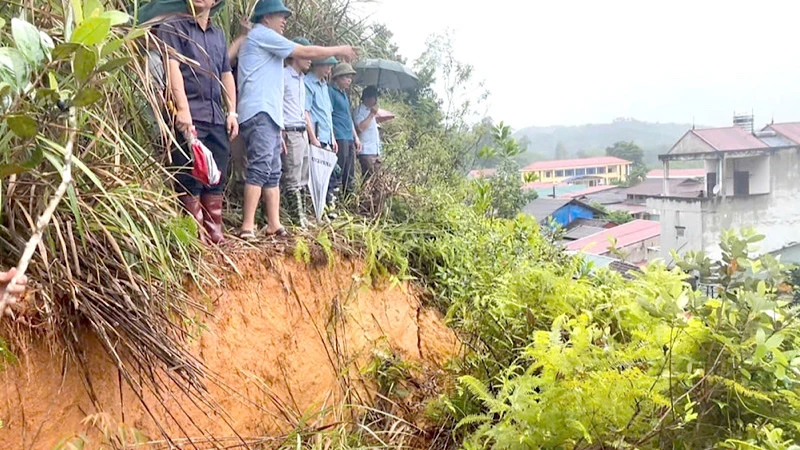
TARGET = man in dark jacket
(197,95)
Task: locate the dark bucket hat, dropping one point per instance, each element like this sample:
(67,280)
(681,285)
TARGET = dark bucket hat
(265,7)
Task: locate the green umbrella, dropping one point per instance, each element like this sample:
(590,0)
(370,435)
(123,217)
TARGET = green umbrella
(156,8)
(385,74)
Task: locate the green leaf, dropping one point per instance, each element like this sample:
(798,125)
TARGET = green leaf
(14,69)
(774,342)
(111,47)
(27,40)
(65,50)
(135,34)
(77,9)
(47,44)
(2,22)
(23,126)
(92,8)
(84,63)
(114,64)
(92,31)
(116,17)
(86,97)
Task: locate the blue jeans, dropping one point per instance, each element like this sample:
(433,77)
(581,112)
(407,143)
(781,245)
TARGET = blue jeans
(262,137)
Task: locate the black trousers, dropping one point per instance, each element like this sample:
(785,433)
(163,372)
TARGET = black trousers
(347,161)
(215,137)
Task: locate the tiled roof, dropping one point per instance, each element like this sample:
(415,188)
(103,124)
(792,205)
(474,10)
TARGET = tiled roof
(729,139)
(677,173)
(575,163)
(625,235)
(790,130)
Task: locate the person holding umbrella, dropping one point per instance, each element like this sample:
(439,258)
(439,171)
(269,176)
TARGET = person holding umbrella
(261,93)
(367,120)
(343,128)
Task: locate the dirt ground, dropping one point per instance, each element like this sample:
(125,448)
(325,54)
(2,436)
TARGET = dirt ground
(286,341)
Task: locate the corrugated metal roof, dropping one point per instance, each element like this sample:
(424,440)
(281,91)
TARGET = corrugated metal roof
(729,139)
(582,231)
(625,235)
(599,262)
(790,130)
(575,163)
(542,208)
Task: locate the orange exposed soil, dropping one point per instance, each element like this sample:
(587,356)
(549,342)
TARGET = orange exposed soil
(286,340)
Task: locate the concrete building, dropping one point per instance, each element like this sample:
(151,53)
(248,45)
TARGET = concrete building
(752,180)
(587,171)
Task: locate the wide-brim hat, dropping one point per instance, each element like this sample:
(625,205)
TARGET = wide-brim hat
(343,69)
(158,8)
(266,7)
(329,61)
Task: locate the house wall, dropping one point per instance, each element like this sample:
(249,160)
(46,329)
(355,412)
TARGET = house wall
(690,143)
(757,166)
(776,214)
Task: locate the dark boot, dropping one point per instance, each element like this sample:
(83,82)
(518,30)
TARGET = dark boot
(191,205)
(212,217)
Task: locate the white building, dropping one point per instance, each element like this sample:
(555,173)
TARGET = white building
(751,180)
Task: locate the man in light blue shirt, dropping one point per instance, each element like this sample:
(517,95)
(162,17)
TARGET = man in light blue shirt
(261,89)
(318,104)
(366,119)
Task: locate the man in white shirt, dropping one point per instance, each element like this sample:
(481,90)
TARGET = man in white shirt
(297,122)
(366,119)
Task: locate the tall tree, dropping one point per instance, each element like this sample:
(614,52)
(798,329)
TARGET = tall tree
(628,151)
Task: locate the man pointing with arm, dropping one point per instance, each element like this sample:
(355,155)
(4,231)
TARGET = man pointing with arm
(261,90)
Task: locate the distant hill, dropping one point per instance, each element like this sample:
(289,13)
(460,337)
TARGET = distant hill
(592,139)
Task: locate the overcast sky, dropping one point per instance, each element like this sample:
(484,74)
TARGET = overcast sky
(570,62)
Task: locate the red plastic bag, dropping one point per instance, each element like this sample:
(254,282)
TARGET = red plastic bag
(204,168)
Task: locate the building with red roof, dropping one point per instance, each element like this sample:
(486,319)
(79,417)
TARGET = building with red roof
(638,241)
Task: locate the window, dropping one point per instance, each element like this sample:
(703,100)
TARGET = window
(680,232)
(612,169)
(559,173)
(601,170)
(569,172)
(591,171)
(549,174)
(580,172)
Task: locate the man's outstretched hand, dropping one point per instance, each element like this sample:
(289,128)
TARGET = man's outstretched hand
(14,290)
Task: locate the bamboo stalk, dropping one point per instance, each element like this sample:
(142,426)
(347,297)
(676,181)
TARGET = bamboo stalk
(45,218)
